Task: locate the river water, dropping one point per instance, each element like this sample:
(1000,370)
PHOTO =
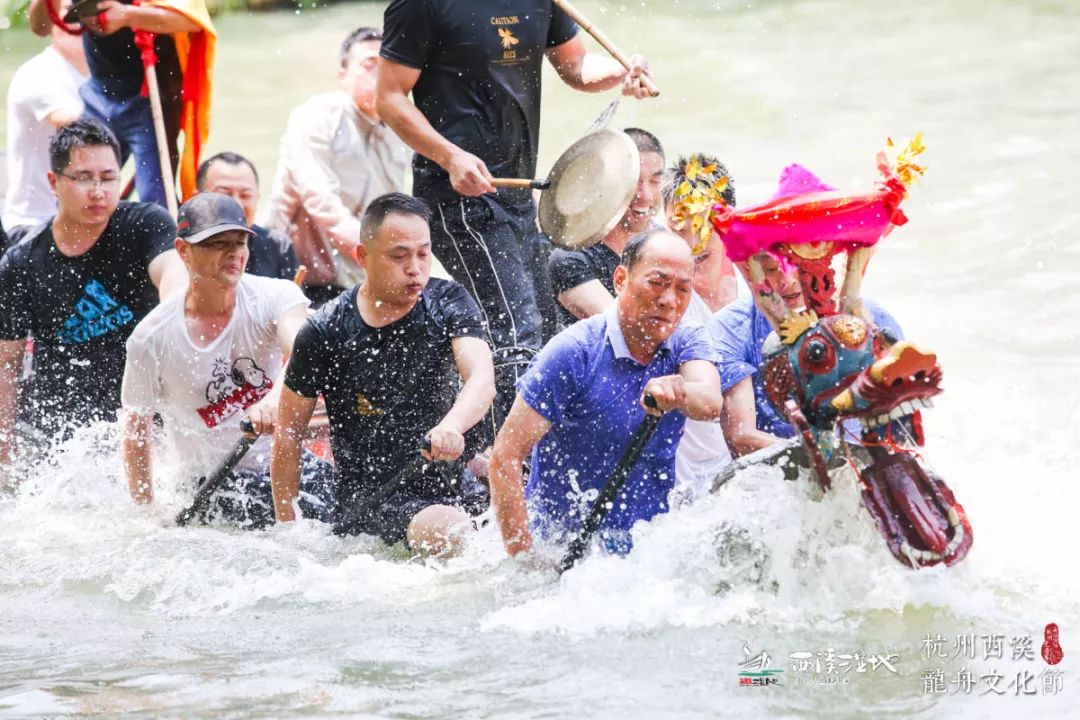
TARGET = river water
(106,610)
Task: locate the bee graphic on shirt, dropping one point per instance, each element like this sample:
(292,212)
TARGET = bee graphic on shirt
(508,39)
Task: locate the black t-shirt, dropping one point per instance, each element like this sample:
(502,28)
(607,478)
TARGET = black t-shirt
(479,83)
(80,311)
(116,65)
(384,387)
(271,254)
(570,268)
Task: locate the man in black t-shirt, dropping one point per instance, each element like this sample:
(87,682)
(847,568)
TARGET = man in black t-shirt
(113,94)
(583,279)
(387,356)
(232,174)
(473,68)
(78,287)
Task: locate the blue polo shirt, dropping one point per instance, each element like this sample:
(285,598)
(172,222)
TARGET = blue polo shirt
(740,330)
(586,383)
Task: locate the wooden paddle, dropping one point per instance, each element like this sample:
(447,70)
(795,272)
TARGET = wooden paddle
(212,482)
(604,41)
(606,500)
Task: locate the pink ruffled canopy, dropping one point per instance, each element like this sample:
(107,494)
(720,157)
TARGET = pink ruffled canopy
(807,210)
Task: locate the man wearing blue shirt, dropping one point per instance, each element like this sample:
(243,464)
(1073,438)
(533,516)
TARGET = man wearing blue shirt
(749,420)
(580,401)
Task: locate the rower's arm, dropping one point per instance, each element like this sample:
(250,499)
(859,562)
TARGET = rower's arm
(704,399)
(263,414)
(158,20)
(294,414)
(739,420)
(473,358)
(168,274)
(593,72)
(587,299)
(519,434)
(468,174)
(137,458)
(11,360)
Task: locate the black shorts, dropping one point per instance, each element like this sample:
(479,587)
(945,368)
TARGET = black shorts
(390,519)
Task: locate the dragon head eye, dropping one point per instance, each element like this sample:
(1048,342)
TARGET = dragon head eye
(816,351)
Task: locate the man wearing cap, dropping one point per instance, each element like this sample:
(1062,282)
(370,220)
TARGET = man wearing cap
(208,358)
(473,69)
(582,279)
(578,404)
(78,286)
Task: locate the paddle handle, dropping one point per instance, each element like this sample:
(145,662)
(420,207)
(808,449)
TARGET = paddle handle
(604,41)
(214,480)
(521,184)
(606,500)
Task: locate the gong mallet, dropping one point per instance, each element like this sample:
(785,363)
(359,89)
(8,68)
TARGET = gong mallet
(606,500)
(605,42)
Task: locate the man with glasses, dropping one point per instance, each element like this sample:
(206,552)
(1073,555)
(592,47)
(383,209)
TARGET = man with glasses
(78,286)
(336,157)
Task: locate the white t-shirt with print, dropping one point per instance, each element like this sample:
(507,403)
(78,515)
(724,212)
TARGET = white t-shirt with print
(42,85)
(702,451)
(202,393)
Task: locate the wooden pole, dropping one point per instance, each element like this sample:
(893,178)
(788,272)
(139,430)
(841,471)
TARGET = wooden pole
(162,141)
(604,41)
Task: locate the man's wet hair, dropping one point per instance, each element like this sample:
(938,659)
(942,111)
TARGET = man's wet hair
(635,246)
(359,35)
(80,133)
(645,141)
(391,204)
(676,176)
(229,158)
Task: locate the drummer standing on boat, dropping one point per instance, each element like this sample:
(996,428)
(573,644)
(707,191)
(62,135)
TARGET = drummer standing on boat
(473,68)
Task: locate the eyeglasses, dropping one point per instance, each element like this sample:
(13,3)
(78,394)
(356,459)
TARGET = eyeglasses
(89,182)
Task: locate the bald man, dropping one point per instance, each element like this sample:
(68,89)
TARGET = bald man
(581,400)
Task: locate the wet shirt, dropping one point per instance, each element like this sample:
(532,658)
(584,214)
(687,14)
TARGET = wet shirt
(202,392)
(570,268)
(587,385)
(740,330)
(385,387)
(81,310)
(116,66)
(479,84)
(271,254)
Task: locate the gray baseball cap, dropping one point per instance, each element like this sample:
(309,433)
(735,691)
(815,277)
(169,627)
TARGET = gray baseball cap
(208,214)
